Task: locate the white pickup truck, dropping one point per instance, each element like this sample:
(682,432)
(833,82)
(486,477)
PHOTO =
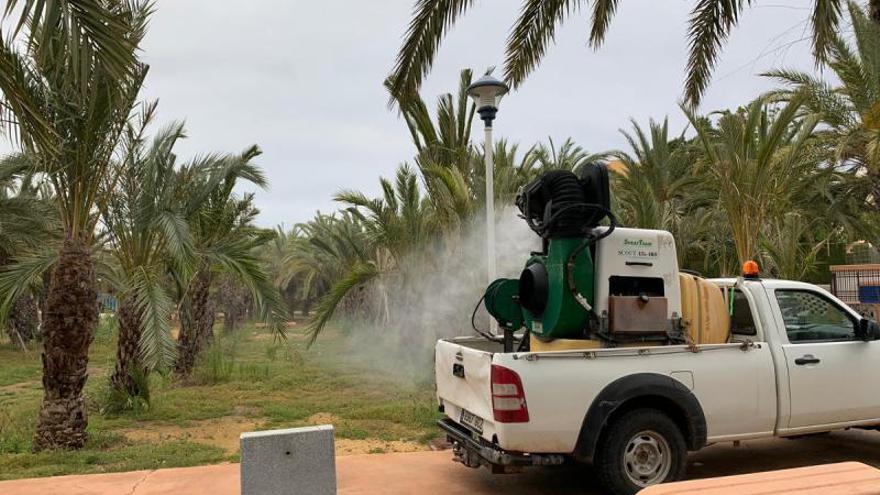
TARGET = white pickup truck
(796,361)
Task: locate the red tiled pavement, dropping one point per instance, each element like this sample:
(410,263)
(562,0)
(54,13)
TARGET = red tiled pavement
(434,472)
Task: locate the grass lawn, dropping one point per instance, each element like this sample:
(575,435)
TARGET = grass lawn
(378,399)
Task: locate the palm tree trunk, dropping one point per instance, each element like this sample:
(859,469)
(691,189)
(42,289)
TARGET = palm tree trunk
(196,324)
(306,307)
(228,321)
(11,332)
(71,315)
(23,320)
(233,300)
(128,361)
(185,343)
(43,297)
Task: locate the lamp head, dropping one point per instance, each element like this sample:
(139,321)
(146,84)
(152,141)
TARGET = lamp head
(487,93)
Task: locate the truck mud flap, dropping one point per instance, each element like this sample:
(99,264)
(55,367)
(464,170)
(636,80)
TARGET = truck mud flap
(472,453)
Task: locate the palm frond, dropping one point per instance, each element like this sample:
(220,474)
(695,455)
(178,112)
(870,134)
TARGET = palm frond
(21,276)
(237,256)
(177,237)
(825,21)
(14,165)
(430,21)
(357,276)
(533,31)
(157,349)
(88,27)
(603,11)
(22,98)
(710,24)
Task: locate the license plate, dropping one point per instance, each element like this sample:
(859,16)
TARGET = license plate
(471,420)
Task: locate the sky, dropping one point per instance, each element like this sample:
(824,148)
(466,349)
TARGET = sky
(303,80)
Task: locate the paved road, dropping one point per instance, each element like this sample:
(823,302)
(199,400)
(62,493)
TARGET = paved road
(433,472)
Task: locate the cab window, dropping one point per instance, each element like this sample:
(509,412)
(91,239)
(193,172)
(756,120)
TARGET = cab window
(811,317)
(742,322)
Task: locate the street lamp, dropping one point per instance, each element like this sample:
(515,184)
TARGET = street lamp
(486,93)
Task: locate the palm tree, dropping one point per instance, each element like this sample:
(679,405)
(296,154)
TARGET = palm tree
(224,239)
(444,153)
(672,183)
(318,253)
(757,159)
(567,156)
(394,225)
(659,185)
(232,298)
(850,110)
(273,257)
(793,245)
(27,222)
(448,142)
(69,86)
(144,220)
(710,23)
(652,188)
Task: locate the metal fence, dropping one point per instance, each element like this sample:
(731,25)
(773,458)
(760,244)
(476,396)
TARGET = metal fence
(107,302)
(858,286)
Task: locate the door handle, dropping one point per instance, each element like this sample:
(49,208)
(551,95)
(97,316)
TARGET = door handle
(808,359)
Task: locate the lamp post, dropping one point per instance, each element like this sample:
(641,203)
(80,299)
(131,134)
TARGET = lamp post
(486,93)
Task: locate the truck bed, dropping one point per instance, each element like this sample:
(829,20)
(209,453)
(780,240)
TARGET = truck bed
(560,386)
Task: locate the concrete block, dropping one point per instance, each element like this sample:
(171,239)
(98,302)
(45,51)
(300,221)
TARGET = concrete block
(296,461)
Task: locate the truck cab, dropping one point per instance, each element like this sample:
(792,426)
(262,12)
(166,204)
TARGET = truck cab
(820,348)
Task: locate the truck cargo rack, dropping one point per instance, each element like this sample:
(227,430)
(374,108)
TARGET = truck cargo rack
(633,351)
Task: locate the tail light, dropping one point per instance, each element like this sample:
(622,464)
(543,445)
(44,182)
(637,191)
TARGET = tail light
(508,397)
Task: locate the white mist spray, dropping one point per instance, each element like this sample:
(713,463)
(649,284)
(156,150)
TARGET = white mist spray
(437,293)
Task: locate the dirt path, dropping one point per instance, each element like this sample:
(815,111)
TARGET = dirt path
(18,387)
(221,432)
(433,472)
(225,432)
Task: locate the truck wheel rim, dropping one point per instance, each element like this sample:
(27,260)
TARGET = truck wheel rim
(646,459)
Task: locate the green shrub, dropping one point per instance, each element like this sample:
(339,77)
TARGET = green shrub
(114,401)
(215,366)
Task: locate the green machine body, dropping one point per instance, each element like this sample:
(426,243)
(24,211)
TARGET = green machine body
(549,306)
(553,296)
(502,302)
(542,299)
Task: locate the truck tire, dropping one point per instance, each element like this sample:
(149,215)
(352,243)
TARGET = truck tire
(641,448)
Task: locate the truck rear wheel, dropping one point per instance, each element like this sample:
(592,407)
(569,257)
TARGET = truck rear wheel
(641,448)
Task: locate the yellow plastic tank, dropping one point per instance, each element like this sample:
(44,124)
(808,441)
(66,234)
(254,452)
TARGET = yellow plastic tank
(703,310)
(538,345)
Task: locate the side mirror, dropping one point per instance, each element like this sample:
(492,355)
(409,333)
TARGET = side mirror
(868,330)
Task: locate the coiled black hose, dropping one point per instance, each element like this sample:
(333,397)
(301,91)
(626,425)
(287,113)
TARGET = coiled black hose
(556,205)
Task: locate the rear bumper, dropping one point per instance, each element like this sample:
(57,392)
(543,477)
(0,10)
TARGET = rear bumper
(474,453)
